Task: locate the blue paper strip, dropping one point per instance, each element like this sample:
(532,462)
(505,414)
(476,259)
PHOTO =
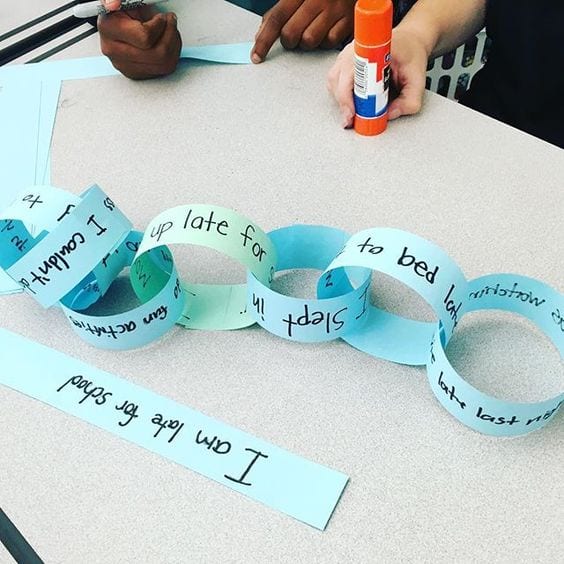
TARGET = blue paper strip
(310,320)
(419,264)
(90,67)
(298,487)
(234,53)
(508,292)
(56,265)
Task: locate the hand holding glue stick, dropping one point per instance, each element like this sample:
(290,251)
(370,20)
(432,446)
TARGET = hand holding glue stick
(140,42)
(431,28)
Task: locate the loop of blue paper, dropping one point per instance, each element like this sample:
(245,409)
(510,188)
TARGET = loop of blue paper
(508,292)
(40,207)
(420,265)
(37,211)
(309,320)
(54,266)
(49,210)
(136,327)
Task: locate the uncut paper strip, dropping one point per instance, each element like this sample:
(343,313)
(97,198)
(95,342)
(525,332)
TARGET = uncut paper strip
(298,487)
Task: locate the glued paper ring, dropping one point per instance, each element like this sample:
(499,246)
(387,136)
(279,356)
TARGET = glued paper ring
(420,265)
(58,261)
(507,292)
(214,306)
(160,309)
(59,216)
(310,320)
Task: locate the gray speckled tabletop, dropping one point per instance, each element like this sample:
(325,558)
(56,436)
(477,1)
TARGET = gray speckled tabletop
(265,140)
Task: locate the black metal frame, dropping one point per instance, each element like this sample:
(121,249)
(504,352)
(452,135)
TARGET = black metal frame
(44,36)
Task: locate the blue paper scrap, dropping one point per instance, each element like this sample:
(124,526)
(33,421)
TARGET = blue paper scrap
(262,471)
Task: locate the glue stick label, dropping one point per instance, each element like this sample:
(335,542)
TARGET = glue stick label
(371,81)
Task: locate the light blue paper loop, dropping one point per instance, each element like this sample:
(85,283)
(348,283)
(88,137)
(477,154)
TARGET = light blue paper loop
(528,297)
(38,210)
(41,207)
(71,251)
(98,282)
(135,328)
(419,264)
(313,320)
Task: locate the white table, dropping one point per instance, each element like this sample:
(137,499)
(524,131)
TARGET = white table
(265,140)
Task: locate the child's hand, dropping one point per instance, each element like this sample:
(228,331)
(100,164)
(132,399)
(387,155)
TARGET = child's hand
(306,24)
(409,64)
(141,43)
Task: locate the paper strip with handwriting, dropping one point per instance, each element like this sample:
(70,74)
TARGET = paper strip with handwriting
(303,489)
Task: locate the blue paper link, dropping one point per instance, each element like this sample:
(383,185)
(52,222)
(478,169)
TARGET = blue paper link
(309,320)
(419,264)
(509,292)
(40,207)
(143,324)
(135,328)
(62,259)
(298,487)
(98,282)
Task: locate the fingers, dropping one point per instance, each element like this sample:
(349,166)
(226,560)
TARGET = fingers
(306,24)
(344,97)
(340,83)
(292,34)
(411,92)
(141,35)
(315,32)
(340,32)
(111,5)
(141,49)
(273,22)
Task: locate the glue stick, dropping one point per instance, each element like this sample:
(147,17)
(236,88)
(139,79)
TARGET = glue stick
(372,38)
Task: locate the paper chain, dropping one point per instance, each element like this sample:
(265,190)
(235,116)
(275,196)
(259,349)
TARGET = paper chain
(65,249)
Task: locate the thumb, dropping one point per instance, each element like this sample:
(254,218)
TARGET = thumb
(408,102)
(154,29)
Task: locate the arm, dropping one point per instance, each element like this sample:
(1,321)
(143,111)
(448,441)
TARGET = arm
(443,25)
(430,28)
